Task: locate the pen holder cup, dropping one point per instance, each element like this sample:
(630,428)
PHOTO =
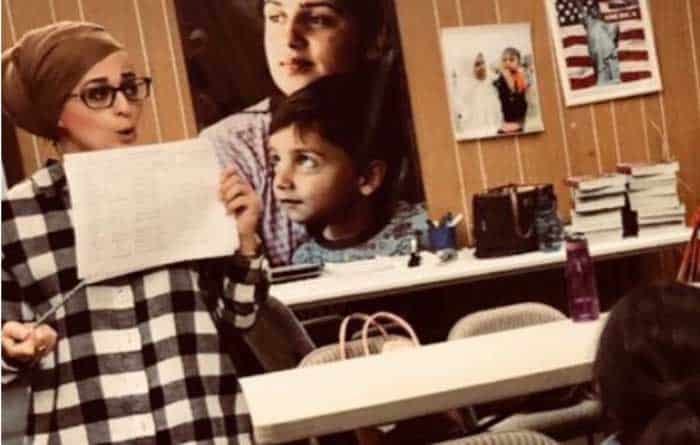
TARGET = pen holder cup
(442,238)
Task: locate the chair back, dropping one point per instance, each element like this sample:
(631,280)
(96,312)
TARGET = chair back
(503,318)
(504,438)
(278,339)
(562,412)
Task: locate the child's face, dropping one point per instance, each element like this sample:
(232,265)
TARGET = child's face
(480,67)
(510,61)
(314,179)
(305,40)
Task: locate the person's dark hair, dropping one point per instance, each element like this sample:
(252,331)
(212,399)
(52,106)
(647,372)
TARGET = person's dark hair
(648,366)
(352,112)
(513,52)
(371,19)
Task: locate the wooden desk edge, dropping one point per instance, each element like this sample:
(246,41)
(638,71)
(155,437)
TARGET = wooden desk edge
(286,427)
(418,406)
(667,240)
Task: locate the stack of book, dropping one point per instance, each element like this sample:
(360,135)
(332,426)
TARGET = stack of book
(598,202)
(653,195)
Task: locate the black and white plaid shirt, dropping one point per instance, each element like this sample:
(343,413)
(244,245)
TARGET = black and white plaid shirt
(139,358)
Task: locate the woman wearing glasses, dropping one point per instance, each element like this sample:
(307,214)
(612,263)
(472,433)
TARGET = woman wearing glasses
(134,359)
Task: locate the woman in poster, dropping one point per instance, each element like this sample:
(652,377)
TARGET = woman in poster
(303,42)
(481,109)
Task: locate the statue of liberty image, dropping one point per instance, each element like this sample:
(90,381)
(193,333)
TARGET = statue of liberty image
(603,39)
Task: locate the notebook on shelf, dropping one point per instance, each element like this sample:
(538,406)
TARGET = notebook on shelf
(282,274)
(648,169)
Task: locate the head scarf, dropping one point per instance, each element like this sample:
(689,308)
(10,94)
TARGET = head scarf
(43,67)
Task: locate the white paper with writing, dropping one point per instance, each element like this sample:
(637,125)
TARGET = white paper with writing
(141,207)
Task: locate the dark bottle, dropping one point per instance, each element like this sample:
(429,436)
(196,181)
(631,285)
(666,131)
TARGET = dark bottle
(547,223)
(581,289)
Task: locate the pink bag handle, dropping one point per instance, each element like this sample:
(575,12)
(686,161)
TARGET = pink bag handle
(344,327)
(387,316)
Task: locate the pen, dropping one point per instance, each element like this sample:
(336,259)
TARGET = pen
(63,301)
(455,220)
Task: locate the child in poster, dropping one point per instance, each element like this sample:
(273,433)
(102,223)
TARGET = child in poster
(336,167)
(512,85)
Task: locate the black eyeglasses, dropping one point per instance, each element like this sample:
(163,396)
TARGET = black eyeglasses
(101,96)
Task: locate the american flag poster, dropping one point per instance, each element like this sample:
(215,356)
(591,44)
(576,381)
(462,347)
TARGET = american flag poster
(605,49)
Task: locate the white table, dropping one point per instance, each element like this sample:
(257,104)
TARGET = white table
(380,389)
(386,276)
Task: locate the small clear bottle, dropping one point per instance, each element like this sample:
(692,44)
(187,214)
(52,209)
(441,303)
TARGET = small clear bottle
(547,223)
(581,288)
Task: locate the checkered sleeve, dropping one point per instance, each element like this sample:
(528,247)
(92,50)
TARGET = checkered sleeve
(246,285)
(19,205)
(14,308)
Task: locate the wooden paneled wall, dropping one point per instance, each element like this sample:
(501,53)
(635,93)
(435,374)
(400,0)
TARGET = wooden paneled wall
(578,140)
(586,139)
(149,30)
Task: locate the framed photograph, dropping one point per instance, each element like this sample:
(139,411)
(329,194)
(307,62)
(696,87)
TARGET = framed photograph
(491,80)
(605,49)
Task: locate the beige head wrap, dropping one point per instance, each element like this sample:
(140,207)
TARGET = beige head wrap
(41,70)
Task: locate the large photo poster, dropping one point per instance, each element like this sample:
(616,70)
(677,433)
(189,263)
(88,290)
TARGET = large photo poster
(605,49)
(308,101)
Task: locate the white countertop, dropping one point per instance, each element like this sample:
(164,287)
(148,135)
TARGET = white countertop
(380,389)
(389,275)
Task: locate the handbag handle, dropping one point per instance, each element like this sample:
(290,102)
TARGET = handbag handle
(516,215)
(391,317)
(342,334)
(502,188)
(512,190)
(512,185)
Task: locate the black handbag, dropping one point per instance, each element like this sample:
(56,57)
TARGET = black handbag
(504,220)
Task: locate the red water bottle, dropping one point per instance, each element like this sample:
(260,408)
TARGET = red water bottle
(581,288)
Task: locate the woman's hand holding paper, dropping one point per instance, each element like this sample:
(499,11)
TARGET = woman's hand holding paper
(242,201)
